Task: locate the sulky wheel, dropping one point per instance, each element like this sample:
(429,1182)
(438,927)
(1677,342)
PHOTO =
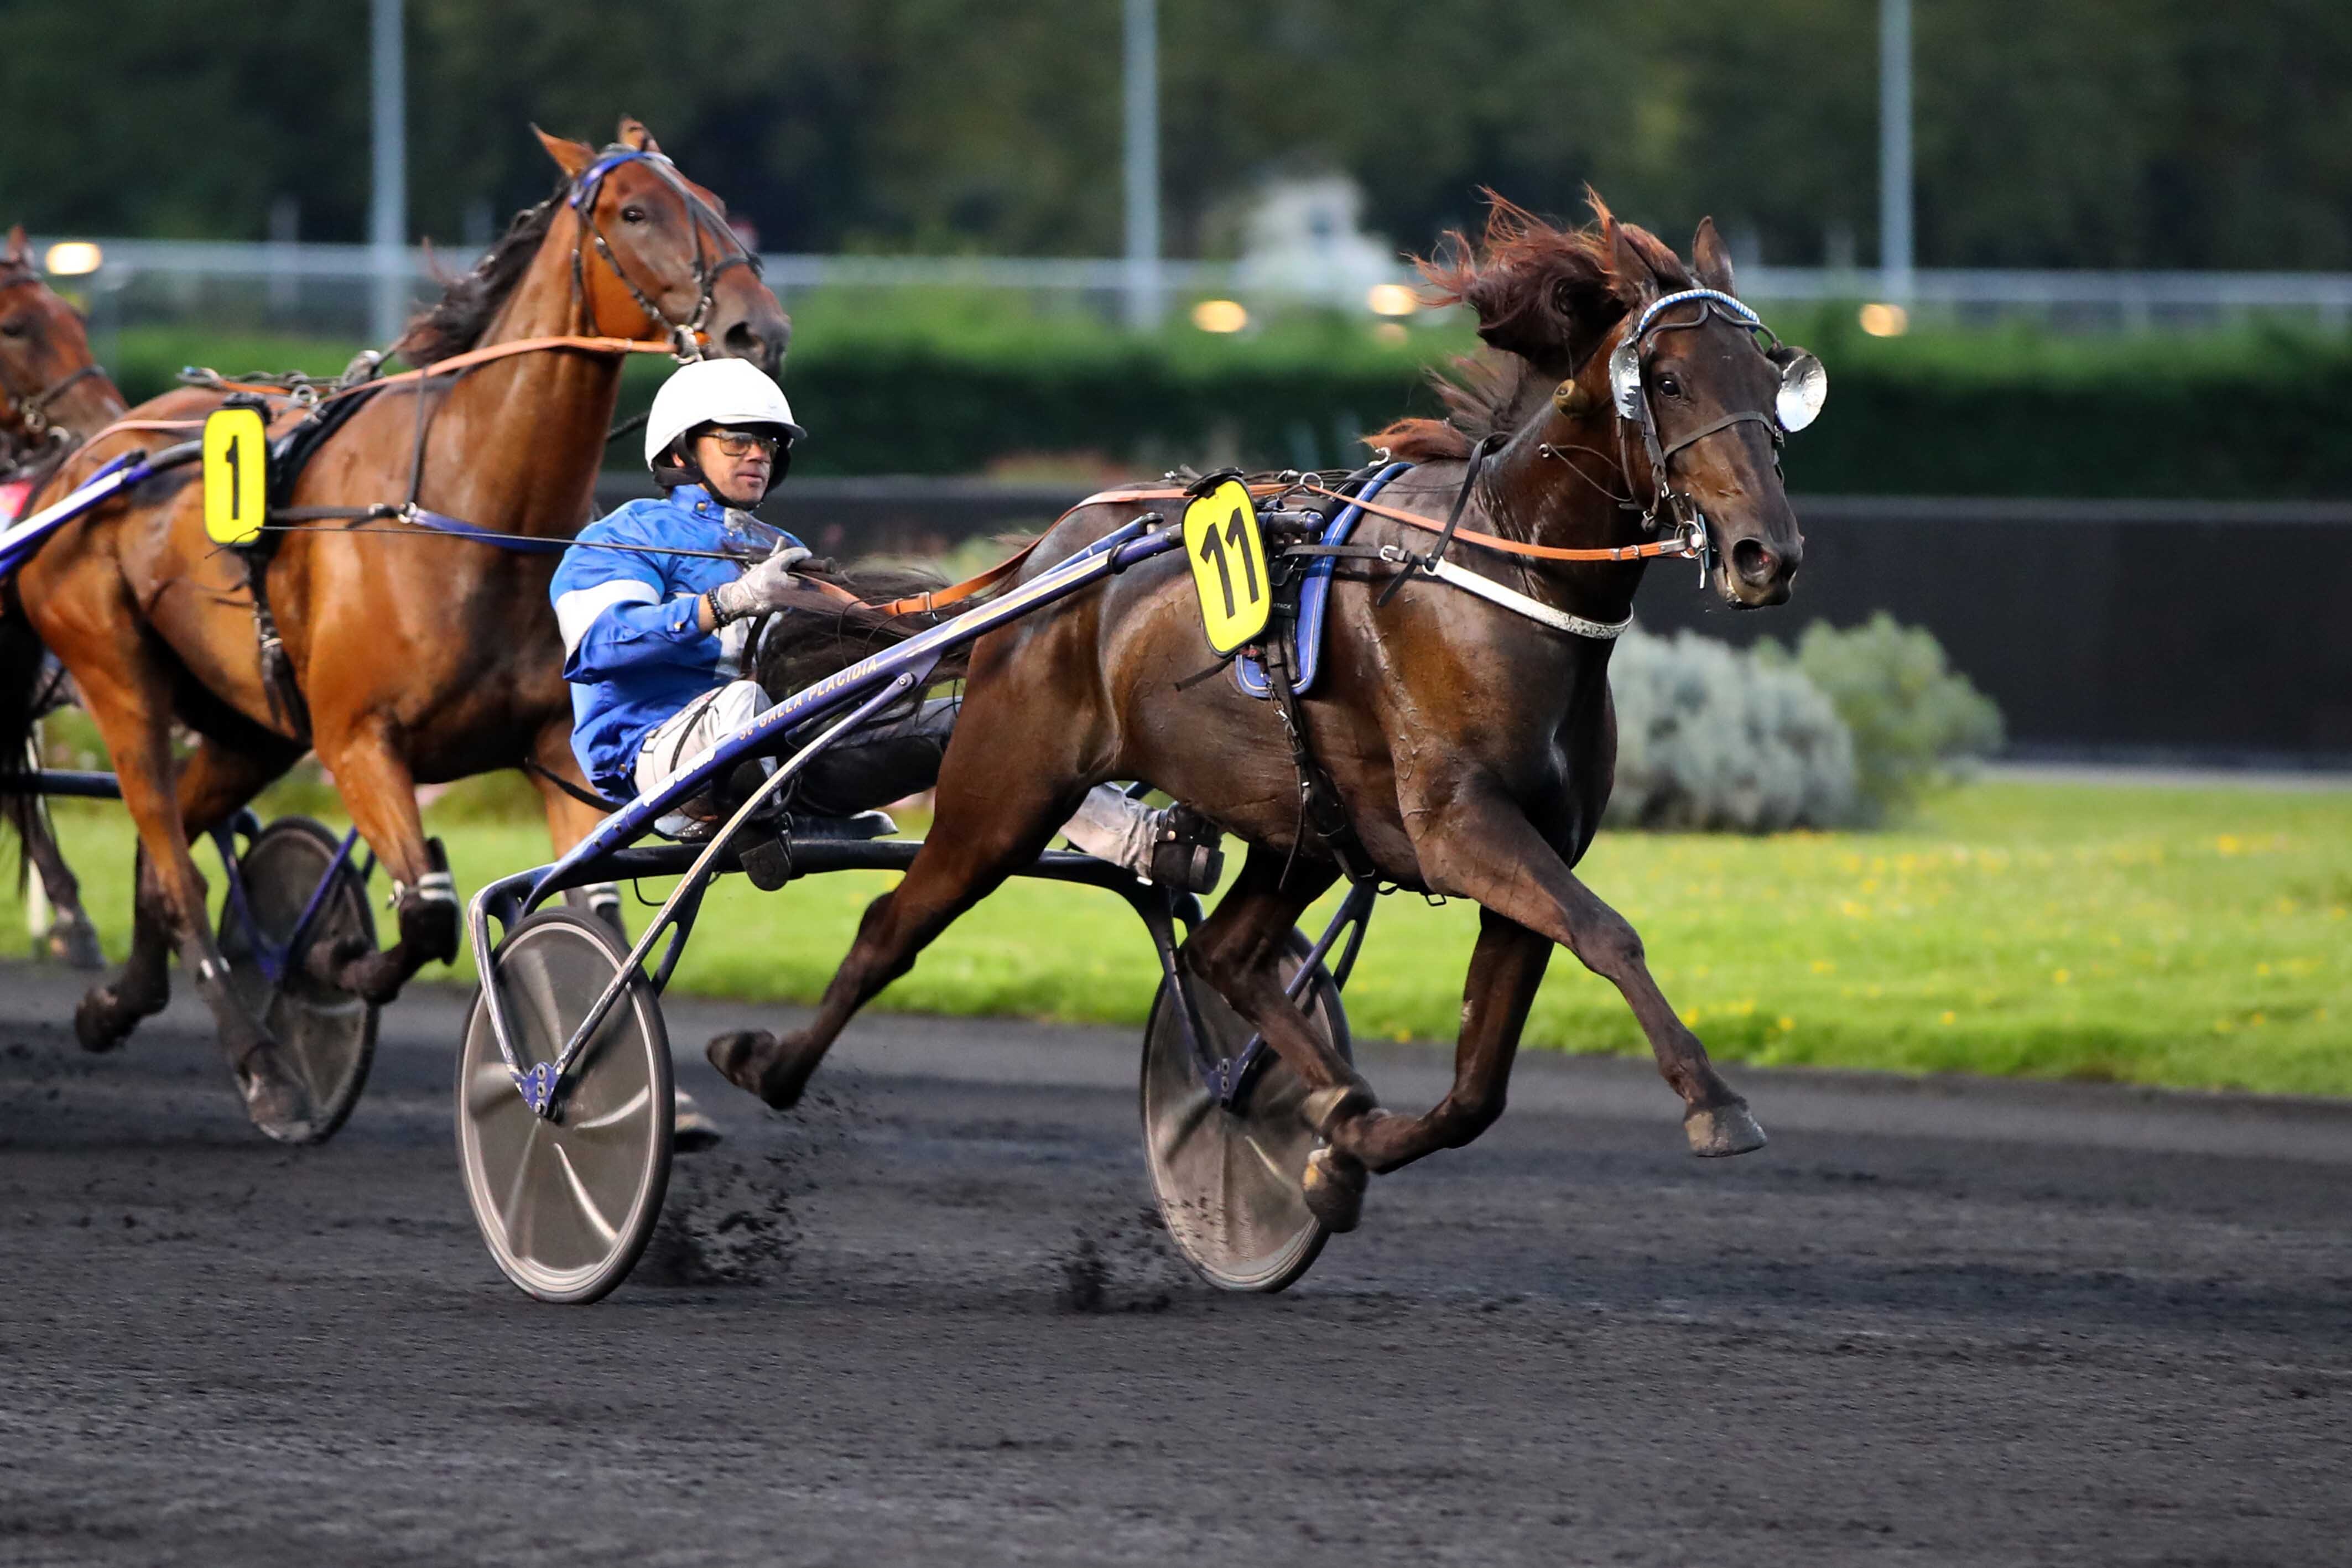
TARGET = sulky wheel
(326,1036)
(567,1204)
(1228,1179)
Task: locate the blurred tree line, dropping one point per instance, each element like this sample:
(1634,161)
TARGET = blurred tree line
(2127,133)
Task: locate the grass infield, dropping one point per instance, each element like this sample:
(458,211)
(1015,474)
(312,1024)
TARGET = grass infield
(2197,938)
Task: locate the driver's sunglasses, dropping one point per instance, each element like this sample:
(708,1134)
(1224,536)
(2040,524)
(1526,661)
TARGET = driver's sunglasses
(739,442)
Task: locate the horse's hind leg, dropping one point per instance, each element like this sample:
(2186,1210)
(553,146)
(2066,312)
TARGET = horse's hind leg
(1506,969)
(70,936)
(215,783)
(127,695)
(980,835)
(108,1012)
(1482,847)
(1238,951)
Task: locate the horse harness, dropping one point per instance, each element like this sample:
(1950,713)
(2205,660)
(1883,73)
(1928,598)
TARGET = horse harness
(325,408)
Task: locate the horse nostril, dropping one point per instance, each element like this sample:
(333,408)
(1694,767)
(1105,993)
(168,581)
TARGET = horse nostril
(744,342)
(1754,562)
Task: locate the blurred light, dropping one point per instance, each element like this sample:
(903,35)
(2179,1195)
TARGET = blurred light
(73,257)
(1390,332)
(1885,320)
(1220,316)
(1392,299)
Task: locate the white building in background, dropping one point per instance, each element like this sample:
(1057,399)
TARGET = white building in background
(1303,241)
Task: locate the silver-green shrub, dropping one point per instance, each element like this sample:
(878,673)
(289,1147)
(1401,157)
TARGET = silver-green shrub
(1711,737)
(1917,724)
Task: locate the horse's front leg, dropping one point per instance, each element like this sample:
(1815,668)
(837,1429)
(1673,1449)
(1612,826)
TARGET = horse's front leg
(1482,847)
(381,793)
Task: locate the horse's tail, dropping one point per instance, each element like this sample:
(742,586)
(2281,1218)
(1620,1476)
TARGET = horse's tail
(24,679)
(800,648)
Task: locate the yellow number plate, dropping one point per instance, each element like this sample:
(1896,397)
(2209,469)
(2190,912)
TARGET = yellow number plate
(236,474)
(1228,559)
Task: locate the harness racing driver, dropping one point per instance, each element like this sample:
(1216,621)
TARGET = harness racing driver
(654,638)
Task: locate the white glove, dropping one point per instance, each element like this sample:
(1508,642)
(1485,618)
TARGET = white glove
(766,586)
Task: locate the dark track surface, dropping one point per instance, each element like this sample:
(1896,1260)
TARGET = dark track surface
(1998,1325)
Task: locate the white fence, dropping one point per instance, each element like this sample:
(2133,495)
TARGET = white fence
(329,287)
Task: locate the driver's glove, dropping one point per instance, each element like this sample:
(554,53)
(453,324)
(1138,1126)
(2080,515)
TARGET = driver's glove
(767,586)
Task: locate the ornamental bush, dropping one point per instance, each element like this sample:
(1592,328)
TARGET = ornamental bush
(1917,722)
(1711,737)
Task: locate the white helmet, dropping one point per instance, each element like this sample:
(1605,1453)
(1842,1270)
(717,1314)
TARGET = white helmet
(736,394)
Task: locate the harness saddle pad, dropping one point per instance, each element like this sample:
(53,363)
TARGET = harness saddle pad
(1314,593)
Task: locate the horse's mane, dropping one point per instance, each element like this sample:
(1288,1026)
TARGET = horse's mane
(1546,299)
(467,309)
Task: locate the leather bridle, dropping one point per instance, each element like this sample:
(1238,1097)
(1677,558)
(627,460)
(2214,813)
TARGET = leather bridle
(1630,391)
(687,337)
(32,409)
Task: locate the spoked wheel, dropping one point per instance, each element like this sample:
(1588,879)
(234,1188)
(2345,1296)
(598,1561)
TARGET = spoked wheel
(1227,1178)
(326,1036)
(566,1204)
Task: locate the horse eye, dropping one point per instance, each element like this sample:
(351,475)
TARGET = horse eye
(633,215)
(1670,386)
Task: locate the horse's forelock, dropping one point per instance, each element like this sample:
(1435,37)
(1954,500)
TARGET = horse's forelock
(1547,297)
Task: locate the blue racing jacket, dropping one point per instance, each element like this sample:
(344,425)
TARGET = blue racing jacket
(631,648)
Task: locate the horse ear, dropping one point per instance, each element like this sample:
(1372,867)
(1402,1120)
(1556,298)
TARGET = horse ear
(1629,270)
(570,156)
(1710,261)
(18,251)
(633,133)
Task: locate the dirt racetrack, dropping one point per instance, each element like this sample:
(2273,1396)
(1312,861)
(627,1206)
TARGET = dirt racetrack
(926,1322)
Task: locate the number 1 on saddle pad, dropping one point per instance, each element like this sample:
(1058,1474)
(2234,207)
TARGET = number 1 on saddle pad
(1220,539)
(236,474)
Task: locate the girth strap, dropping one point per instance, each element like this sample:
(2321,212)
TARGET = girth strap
(1319,805)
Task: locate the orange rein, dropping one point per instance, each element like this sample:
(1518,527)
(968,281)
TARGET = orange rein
(1513,547)
(925,603)
(449,366)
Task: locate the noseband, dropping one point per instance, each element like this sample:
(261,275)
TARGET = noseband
(686,336)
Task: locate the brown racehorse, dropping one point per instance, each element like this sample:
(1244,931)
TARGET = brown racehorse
(52,397)
(1473,747)
(420,657)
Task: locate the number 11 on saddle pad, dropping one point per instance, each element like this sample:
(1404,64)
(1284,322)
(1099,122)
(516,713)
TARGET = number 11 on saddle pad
(1220,539)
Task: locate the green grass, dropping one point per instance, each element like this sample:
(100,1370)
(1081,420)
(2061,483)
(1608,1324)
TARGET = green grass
(2197,938)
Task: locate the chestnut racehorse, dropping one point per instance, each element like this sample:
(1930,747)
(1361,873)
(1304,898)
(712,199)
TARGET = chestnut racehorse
(1472,746)
(52,396)
(419,657)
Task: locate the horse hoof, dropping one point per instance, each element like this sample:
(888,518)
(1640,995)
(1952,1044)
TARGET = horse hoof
(1334,1189)
(74,944)
(748,1059)
(1716,1131)
(99,1022)
(278,1108)
(692,1130)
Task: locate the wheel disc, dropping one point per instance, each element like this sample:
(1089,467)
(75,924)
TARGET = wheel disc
(326,1037)
(567,1204)
(1227,1178)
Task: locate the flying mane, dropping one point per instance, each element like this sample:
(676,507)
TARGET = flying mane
(467,309)
(1546,299)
